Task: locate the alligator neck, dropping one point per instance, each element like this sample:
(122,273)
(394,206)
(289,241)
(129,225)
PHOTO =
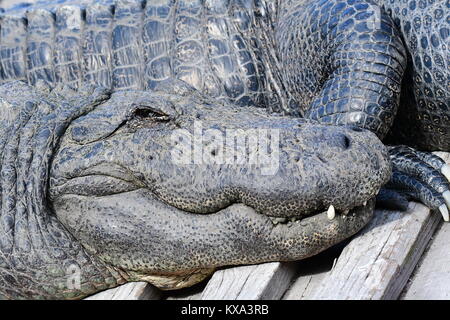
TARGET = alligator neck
(39,258)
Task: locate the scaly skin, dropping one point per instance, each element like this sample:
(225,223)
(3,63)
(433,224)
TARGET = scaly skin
(89,180)
(375,56)
(346,62)
(338,62)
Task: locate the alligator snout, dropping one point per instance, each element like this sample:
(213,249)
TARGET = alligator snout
(201,159)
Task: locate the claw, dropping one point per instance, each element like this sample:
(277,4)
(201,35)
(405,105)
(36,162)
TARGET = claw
(446,171)
(446,196)
(444,211)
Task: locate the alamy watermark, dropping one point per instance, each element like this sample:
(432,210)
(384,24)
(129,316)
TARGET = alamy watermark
(251,147)
(374,21)
(73,276)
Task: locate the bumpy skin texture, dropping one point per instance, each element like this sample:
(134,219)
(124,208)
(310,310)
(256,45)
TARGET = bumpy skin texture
(88,180)
(340,62)
(424,115)
(346,62)
(37,253)
(375,56)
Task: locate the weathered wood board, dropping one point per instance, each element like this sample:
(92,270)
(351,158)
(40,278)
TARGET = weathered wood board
(379,261)
(129,291)
(310,273)
(431,280)
(267,281)
(194,294)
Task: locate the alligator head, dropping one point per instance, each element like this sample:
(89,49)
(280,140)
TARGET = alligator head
(166,187)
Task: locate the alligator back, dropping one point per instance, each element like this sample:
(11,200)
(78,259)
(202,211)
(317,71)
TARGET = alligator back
(213,45)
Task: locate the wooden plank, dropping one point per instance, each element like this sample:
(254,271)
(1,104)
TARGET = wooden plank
(431,280)
(129,291)
(189,296)
(266,281)
(378,262)
(444,155)
(191,293)
(304,286)
(310,273)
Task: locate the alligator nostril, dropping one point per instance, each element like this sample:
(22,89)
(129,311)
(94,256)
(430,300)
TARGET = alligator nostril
(346,143)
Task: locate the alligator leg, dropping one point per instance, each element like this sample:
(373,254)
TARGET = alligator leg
(361,86)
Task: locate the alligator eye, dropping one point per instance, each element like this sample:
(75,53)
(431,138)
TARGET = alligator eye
(145,117)
(148,113)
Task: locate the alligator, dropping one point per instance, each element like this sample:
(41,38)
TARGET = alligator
(362,65)
(90,188)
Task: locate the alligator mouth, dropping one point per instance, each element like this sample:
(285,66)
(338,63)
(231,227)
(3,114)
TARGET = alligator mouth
(124,183)
(331,213)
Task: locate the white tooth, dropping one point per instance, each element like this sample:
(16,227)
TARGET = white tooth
(444,211)
(446,196)
(446,171)
(331,213)
(365,203)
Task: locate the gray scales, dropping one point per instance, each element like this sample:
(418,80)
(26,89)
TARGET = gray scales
(260,54)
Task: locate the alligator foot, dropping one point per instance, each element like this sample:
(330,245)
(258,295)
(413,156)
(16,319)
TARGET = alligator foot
(417,176)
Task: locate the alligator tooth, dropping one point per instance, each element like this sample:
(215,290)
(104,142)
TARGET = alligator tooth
(446,196)
(277,220)
(364,203)
(331,213)
(446,171)
(444,211)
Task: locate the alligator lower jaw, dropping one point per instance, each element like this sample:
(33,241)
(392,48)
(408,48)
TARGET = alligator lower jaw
(342,222)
